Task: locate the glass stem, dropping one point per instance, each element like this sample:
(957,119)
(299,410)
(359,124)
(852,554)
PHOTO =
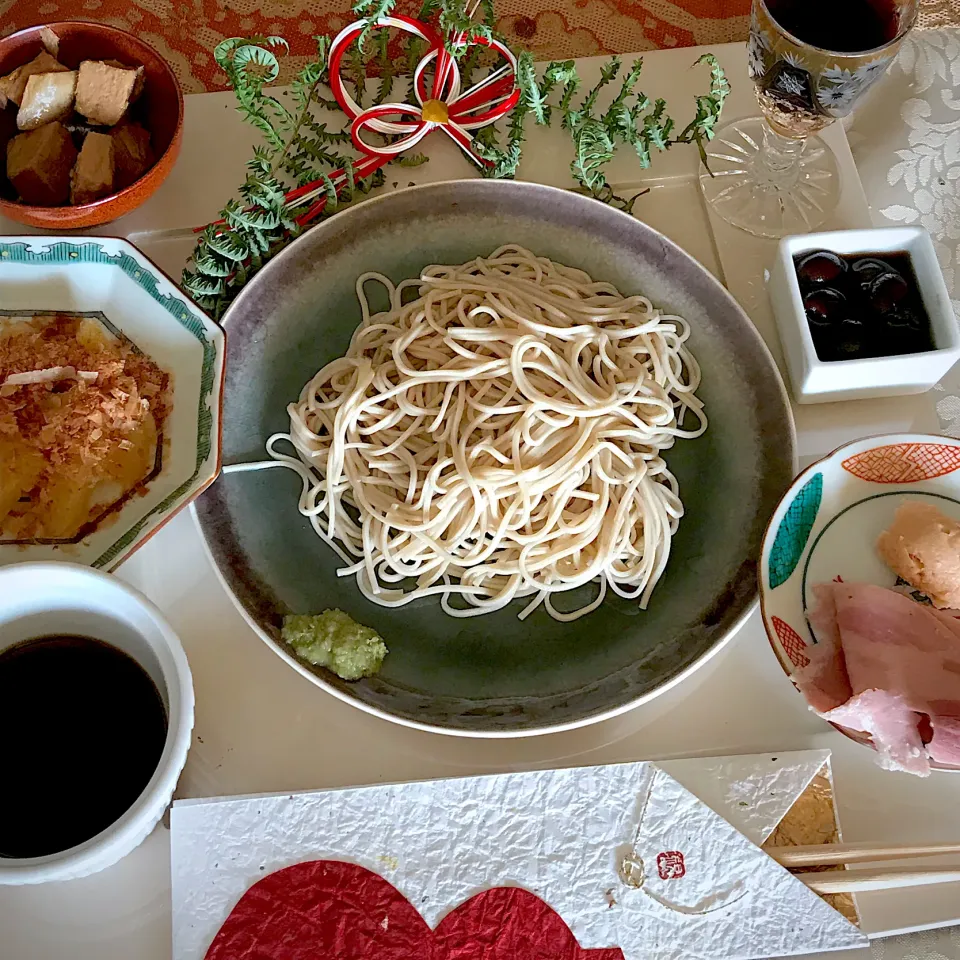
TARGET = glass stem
(778,161)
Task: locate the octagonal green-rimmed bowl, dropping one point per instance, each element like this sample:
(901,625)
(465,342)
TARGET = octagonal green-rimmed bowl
(111,281)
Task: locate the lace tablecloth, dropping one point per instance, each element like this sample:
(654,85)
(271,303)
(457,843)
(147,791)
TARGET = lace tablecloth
(906,141)
(186,31)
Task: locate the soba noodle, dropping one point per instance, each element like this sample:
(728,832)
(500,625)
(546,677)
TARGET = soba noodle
(498,437)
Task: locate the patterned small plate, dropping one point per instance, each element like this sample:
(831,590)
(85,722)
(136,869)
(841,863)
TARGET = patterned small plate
(113,282)
(828,522)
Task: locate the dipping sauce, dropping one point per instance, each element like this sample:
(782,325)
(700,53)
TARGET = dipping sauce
(862,305)
(83,729)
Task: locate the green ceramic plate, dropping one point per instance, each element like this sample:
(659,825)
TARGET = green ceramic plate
(495,675)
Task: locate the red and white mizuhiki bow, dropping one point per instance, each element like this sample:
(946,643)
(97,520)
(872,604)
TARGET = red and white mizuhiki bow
(443,106)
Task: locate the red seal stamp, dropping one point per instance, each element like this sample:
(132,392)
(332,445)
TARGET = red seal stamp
(670,865)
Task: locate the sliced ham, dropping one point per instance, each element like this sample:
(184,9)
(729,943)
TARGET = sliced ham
(949,618)
(883,663)
(945,745)
(824,681)
(892,643)
(892,725)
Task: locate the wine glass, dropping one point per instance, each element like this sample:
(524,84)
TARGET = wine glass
(810,60)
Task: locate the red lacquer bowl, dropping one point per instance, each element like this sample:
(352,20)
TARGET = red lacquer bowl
(161,109)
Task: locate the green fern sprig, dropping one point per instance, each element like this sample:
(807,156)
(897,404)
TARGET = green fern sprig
(371,11)
(503,162)
(455,21)
(249,66)
(709,107)
(300,151)
(387,72)
(630,119)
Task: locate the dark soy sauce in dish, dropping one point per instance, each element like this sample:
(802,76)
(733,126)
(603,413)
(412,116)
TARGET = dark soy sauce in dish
(82,729)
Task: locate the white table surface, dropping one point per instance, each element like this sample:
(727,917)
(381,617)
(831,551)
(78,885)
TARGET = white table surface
(261,727)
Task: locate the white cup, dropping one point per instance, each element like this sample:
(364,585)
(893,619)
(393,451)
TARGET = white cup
(46,599)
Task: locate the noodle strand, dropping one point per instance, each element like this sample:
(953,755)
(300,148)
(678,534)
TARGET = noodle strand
(498,437)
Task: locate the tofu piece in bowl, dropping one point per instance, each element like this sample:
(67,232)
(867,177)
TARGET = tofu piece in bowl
(104,91)
(39,163)
(47,97)
(93,174)
(13,85)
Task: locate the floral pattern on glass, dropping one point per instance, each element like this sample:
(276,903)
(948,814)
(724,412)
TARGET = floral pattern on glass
(802,88)
(838,87)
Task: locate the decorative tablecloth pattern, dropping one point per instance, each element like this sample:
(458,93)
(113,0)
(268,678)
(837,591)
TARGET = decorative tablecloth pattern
(186,31)
(929,945)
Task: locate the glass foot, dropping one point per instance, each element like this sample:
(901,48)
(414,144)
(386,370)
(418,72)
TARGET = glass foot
(766,184)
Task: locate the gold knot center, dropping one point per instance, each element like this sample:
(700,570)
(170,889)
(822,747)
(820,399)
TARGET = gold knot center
(435,111)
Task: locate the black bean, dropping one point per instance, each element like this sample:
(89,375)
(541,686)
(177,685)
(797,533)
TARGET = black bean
(825,307)
(820,267)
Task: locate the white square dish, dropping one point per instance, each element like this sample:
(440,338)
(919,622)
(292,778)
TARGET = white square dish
(817,381)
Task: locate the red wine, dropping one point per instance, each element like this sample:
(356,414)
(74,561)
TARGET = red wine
(83,731)
(844,26)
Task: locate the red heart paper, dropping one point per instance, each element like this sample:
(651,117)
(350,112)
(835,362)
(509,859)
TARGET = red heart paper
(329,910)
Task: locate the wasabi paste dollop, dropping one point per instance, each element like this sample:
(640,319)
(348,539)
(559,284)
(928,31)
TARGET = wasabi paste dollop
(334,640)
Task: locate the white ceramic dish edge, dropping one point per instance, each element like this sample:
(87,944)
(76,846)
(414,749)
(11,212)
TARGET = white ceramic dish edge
(56,597)
(112,279)
(815,505)
(815,381)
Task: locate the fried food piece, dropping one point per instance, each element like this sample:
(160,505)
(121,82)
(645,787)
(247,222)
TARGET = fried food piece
(75,496)
(132,152)
(50,41)
(92,336)
(13,84)
(138,83)
(104,91)
(39,164)
(47,96)
(90,405)
(93,174)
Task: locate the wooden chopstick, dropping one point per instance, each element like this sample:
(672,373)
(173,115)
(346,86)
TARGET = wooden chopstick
(828,854)
(860,881)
